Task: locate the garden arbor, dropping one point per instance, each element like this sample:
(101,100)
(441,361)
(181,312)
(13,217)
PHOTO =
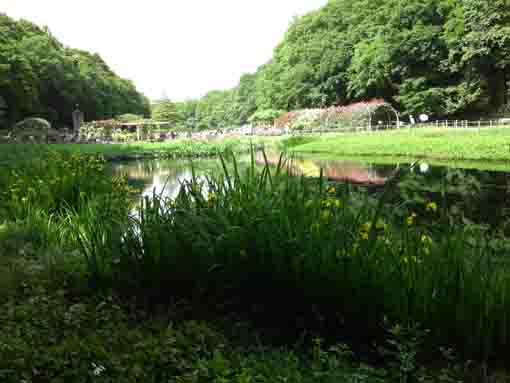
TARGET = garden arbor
(365,115)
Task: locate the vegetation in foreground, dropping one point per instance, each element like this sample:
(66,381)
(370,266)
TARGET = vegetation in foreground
(434,143)
(164,295)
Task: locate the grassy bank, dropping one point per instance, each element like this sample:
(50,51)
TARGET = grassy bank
(439,144)
(171,149)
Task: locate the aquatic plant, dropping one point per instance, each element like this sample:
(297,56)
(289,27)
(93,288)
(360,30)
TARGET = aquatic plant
(293,250)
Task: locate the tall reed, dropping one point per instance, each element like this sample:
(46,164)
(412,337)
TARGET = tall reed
(294,250)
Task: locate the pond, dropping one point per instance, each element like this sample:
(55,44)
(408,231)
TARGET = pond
(485,194)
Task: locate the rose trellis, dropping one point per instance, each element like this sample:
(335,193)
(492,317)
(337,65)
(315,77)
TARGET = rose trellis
(361,115)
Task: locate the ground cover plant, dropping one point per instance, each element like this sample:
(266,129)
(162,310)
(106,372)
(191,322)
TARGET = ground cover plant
(434,143)
(51,334)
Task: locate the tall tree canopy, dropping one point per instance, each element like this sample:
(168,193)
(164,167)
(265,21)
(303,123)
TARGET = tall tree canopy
(40,77)
(442,57)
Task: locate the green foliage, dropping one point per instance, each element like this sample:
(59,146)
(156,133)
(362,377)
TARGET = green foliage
(43,194)
(165,111)
(326,247)
(265,117)
(39,76)
(47,336)
(338,258)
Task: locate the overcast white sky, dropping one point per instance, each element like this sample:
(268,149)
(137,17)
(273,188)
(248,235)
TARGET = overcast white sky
(182,47)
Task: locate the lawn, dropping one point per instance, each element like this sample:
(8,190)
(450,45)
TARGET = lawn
(434,143)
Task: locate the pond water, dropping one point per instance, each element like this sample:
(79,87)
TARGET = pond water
(485,193)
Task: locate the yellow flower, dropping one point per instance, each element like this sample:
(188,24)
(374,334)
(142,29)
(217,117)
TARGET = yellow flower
(366,226)
(364,235)
(431,206)
(411,219)
(331,190)
(425,239)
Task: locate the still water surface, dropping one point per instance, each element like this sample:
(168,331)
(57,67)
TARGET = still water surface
(491,187)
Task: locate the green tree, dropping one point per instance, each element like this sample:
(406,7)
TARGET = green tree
(165,110)
(41,77)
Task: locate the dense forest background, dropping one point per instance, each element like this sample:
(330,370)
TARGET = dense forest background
(445,58)
(442,57)
(41,77)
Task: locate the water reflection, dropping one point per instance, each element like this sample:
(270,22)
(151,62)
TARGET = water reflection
(484,194)
(163,177)
(336,170)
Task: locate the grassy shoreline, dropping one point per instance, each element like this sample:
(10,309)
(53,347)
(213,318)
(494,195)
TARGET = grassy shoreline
(427,143)
(129,151)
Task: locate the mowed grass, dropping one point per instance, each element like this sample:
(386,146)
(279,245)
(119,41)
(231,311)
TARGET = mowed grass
(173,149)
(434,143)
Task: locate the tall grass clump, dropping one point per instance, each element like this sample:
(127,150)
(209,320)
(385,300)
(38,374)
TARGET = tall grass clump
(42,191)
(304,254)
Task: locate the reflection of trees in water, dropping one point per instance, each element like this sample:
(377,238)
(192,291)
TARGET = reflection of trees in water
(160,176)
(352,172)
(147,169)
(482,195)
(338,170)
(155,176)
